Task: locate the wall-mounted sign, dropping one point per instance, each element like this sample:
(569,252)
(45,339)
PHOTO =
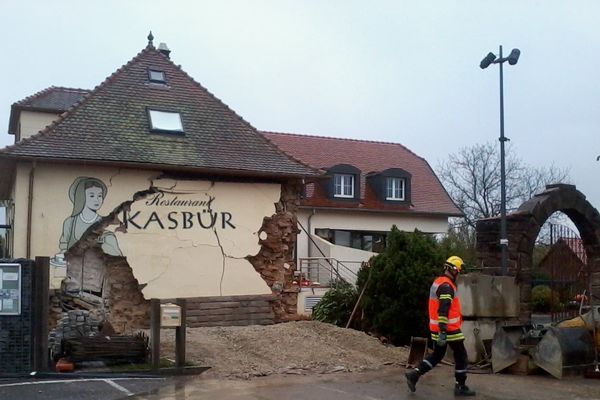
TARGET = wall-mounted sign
(10,289)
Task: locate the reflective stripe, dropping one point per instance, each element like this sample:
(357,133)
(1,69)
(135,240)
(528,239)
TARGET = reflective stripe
(449,338)
(433,290)
(428,363)
(460,371)
(450,321)
(445,297)
(456,336)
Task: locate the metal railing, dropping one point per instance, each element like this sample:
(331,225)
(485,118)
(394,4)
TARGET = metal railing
(326,271)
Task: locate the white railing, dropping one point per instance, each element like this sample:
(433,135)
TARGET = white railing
(325,271)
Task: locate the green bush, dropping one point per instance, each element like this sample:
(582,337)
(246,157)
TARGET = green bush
(337,304)
(395,300)
(541,298)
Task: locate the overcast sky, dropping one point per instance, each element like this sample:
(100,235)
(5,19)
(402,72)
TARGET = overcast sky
(397,71)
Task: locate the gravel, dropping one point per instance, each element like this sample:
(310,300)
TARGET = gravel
(302,348)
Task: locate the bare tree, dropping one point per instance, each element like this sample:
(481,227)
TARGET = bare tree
(472,178)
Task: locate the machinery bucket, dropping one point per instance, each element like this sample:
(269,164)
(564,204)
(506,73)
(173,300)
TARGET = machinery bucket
(564,350)
(418,349)
(505,347)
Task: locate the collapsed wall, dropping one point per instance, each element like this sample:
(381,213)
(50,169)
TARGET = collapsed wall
(111,288)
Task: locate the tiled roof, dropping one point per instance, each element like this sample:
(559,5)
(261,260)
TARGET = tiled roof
(427,193)
(110,124)
(53,99)
(575,244)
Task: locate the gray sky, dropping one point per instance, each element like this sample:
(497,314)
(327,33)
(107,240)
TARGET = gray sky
(398,71)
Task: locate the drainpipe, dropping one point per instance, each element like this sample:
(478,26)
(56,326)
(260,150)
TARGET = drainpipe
(310,231)
(29,209)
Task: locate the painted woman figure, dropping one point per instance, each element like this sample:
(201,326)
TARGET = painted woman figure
(87,195)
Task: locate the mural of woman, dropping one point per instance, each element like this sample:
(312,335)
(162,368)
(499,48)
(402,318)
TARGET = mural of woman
(87,195)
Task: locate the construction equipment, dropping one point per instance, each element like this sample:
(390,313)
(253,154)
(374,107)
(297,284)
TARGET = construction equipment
(565,348)
(511,342)
(564,351)
(505,347)
(418,350)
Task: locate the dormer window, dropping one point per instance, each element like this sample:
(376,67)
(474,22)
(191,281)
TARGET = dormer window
(343,185)
(395,189)
(156,76)
(165,121)
(392,186)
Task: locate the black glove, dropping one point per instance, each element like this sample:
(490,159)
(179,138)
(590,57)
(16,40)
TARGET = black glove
(441,339)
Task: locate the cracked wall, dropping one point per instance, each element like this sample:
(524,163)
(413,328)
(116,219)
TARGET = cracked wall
(176,238)
(191,238)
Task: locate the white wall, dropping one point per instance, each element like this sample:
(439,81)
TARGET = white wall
(350,258)
(33,122)
(363,221)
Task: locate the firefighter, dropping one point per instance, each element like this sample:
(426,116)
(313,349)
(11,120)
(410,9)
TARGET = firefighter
(444,323)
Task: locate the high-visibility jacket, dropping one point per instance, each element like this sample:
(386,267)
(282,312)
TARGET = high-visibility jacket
(453,319)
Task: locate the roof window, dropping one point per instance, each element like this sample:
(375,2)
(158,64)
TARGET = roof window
(164,121)
(156,76)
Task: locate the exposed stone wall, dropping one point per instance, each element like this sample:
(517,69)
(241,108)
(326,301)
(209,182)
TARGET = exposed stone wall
(126,308)
(523,227)
(275,261)
(121,301)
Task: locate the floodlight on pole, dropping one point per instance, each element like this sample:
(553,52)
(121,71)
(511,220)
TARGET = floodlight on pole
(512,59)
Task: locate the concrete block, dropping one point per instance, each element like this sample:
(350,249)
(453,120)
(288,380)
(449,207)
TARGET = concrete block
(488,296)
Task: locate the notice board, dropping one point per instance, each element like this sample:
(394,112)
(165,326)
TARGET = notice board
(10,289)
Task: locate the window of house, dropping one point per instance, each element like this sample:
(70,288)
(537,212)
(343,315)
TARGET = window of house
(164,121)
(343,185)
(363,240)
(394,189)
(156,76)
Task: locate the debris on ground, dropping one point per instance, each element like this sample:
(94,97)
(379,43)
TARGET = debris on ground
(298,348)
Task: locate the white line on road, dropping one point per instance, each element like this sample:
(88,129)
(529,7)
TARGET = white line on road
(118,387)
(73,380)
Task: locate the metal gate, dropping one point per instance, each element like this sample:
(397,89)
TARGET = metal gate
(565,269)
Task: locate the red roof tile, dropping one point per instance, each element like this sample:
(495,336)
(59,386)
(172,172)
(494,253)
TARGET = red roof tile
(428,195)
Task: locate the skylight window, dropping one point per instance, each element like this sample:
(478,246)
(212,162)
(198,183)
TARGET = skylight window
(164,121)
(156,76)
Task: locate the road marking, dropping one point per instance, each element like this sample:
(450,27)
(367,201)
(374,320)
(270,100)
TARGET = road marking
(72,381)
(367,397)
(118,387)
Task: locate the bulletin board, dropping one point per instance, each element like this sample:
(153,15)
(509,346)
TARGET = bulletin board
(10,289)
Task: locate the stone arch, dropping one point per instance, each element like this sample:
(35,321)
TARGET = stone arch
(523,227)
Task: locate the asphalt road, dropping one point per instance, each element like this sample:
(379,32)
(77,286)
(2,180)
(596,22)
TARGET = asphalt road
(383,385)
(72,389)
(388,383)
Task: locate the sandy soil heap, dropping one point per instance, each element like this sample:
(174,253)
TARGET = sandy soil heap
(290,348)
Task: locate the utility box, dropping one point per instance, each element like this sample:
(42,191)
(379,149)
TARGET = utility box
(170,315)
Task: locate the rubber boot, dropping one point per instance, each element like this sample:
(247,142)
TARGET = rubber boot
(412,377)
(463,390)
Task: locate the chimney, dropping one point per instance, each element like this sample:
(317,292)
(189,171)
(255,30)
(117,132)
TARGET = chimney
(164,49)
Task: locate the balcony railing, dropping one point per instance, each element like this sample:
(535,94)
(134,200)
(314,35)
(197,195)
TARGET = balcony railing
(326,271)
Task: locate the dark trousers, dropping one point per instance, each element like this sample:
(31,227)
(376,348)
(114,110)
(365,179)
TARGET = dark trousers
(460,360)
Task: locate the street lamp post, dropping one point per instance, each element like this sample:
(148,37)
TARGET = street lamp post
(512,59)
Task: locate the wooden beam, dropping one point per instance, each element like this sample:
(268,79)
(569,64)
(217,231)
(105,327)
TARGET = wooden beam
(155,332)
